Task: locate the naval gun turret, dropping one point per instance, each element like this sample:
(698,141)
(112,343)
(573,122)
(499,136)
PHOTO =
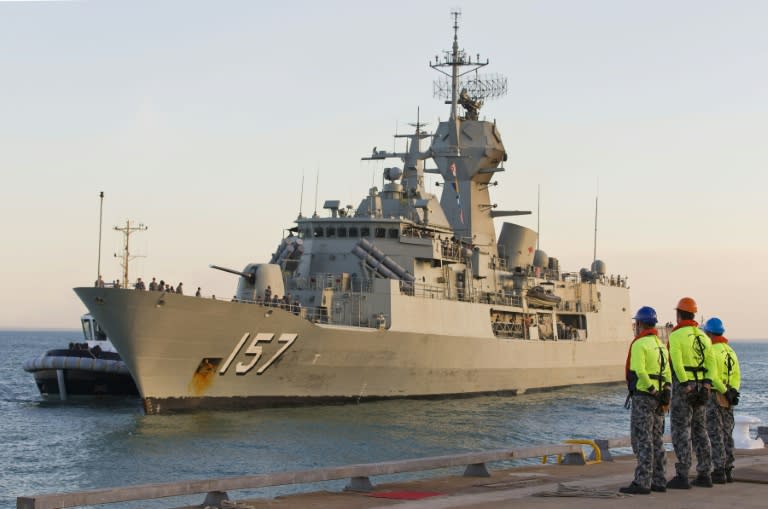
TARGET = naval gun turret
(255,279)
(249,276)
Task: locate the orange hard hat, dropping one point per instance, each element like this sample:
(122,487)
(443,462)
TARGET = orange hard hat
(687,304)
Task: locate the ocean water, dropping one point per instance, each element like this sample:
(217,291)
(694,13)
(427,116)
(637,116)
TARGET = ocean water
(52,446)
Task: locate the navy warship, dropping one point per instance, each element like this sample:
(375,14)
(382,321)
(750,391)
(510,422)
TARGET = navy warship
(404,295)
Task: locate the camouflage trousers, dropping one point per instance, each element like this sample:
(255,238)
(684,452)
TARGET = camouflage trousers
(720,428)
(689,425)
(647,429)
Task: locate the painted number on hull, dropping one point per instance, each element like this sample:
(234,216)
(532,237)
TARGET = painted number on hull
(255,351)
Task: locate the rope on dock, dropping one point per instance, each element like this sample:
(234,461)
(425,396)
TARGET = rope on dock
(564,490)
(231,504)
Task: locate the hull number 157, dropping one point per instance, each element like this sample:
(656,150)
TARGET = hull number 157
(254,351)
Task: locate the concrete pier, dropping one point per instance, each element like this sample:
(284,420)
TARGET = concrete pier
(522,487)
(585,481)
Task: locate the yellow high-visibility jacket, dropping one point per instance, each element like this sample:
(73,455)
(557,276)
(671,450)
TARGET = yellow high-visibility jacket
(727,365)
(648,361)
(690,349)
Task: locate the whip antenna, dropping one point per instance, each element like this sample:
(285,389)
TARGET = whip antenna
(538,217)
(301,199)
(594,249)
(98,263)
(317,184)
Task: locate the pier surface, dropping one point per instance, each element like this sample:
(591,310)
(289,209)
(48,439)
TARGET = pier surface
(595,486)
(551,485)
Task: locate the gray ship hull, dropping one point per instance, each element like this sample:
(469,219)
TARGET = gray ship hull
(186,352)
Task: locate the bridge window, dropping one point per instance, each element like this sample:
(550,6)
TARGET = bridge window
(98,332)
(353,231)
(342,232)
(380,233)
(87,332)
(365,231)
(394,233)
(330,232)
(318,232)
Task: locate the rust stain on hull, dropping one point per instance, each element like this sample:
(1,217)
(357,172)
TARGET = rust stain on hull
(204,376)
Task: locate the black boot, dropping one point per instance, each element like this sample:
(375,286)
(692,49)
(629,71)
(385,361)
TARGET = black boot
(702,481)
(679,482)
(729,474)
(718,476)
(660,488)
(635,489)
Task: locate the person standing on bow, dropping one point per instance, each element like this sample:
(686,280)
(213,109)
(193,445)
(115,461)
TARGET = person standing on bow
(694,373)
(649,380)
(720,406)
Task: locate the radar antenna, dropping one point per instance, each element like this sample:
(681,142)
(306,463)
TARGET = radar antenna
(470,92)
(418,124)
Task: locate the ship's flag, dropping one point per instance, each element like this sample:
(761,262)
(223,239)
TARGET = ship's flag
(452,167)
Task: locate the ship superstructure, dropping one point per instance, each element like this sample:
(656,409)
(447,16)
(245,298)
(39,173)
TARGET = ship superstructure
(405,295)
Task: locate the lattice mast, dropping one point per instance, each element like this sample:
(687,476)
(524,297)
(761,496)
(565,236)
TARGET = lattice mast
(469,93)
(125,256)
(468,151)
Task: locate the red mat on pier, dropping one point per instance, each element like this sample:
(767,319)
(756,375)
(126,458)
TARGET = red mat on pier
(404,495)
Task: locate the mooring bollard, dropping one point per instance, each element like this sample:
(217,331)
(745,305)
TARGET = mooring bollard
(741,436)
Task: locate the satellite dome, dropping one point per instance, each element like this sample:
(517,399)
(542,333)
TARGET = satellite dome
(540,259)
(393,173)
(598,267)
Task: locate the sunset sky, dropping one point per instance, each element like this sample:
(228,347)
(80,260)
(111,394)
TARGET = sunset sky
(199,119)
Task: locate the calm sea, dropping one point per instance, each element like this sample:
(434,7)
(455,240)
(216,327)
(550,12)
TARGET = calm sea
(51,446)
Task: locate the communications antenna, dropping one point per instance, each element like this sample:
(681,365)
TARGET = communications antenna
(418,125)
(301,199)
(538,218)
(317,184)
(125,256)
(594,249)
(98,263)
(469,92)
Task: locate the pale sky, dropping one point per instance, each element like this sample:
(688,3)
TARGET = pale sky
(199,119)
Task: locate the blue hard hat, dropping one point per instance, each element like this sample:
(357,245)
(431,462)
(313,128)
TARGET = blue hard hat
(646,314)
(714,326)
